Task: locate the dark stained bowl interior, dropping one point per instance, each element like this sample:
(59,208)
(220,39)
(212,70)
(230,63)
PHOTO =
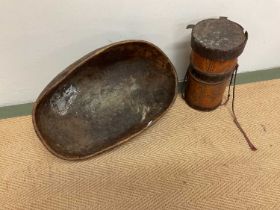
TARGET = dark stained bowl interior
(104,99)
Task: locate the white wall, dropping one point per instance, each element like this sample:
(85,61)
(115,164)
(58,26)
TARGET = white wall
(39,38)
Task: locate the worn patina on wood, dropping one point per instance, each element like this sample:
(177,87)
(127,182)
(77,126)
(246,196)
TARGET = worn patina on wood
(104,99)
(216,45)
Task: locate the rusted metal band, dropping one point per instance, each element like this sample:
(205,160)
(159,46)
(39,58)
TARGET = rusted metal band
(209,77)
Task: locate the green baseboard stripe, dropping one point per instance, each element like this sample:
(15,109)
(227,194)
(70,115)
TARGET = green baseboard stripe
(254,76)
(257,76)
(15,110)
(242,78)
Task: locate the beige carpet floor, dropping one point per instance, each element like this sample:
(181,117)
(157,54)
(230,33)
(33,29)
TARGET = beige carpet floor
(188,160)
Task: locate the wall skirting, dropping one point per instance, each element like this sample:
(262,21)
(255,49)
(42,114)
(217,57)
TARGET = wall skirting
(242,78)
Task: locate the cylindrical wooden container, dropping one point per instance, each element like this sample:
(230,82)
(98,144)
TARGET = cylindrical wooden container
(216,45)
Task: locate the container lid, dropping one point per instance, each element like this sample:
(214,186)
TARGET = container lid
(218,39)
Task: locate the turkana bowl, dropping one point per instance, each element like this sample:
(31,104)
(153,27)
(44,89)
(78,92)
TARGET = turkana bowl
(104,99)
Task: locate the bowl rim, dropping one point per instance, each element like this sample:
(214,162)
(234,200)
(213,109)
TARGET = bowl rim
(71,69)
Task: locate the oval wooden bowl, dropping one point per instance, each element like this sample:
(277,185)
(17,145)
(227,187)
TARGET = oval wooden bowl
(104,99)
